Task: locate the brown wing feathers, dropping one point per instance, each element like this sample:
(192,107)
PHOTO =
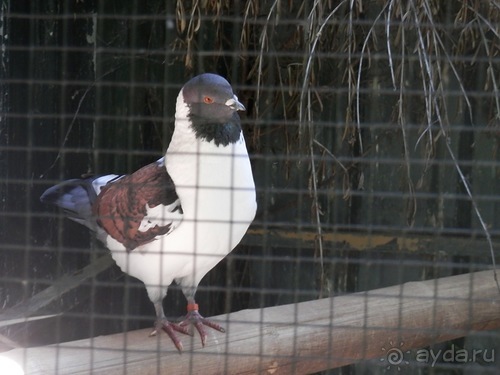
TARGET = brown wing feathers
(121,206)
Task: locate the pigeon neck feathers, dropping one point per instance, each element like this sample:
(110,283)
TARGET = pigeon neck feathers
(219,133)
(207,155)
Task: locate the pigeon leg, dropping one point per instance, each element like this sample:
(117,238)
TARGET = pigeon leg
(162,324)
(193,317)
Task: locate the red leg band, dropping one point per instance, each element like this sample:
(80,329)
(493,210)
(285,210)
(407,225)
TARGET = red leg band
(192,307)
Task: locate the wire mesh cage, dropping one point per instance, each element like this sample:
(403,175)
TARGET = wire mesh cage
(372,130)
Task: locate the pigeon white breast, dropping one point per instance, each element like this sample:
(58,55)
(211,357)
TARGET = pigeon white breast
(175,219)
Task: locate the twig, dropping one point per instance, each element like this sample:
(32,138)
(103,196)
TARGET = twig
(73,120)
(64,284)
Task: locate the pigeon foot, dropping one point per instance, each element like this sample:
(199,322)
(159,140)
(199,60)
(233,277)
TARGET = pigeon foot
(194,318)
(170,329)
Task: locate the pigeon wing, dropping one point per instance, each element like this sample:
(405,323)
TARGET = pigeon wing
(140,207)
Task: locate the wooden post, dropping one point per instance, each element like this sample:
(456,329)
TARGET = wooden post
(298,338)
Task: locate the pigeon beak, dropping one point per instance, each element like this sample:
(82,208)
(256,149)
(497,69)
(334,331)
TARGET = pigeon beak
(235,104)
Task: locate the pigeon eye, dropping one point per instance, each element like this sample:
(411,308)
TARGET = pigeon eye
(208,100)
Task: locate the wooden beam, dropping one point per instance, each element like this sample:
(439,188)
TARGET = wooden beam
(298,338)
(360,241)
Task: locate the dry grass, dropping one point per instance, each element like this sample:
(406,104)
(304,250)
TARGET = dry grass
(287,45)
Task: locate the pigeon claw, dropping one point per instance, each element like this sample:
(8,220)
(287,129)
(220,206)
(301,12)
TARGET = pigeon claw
(170,329)
(194,318)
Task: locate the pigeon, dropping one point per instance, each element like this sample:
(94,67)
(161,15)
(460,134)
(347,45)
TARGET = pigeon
(175,219)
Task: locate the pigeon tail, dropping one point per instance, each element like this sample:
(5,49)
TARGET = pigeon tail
(76,197)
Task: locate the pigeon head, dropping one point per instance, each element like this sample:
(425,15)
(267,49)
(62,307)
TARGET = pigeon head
(212,109)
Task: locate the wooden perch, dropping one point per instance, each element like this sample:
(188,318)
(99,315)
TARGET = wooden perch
(298,338)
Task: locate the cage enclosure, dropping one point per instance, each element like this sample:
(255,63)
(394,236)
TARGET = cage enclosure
(373,133)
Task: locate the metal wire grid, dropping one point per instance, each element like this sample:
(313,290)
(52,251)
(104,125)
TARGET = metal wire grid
(352,138)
